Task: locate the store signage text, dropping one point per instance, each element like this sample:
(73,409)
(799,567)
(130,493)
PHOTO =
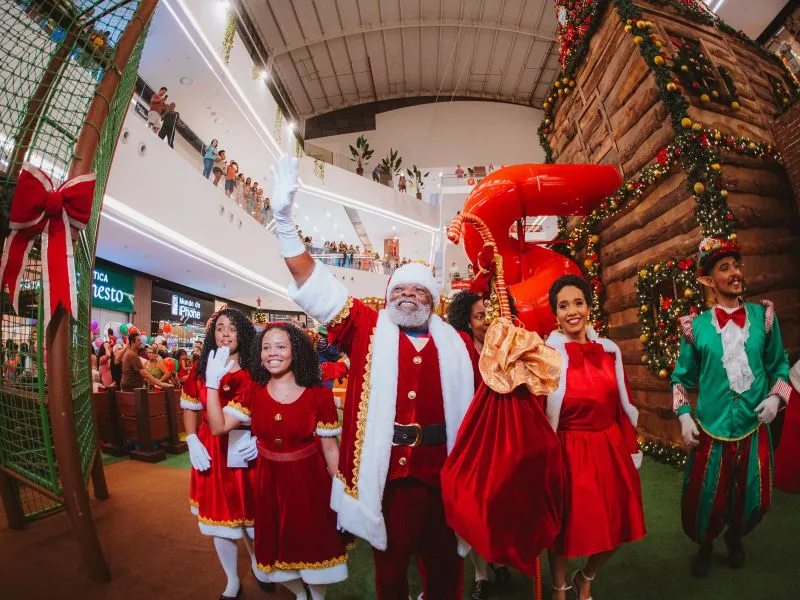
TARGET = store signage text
(186,308)
(112,290)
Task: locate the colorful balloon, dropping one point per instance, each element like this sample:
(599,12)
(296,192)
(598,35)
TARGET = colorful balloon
(167,327)
(95,326)
(169,362)
(123,329)
(150,339)
(132,329)
(98,343)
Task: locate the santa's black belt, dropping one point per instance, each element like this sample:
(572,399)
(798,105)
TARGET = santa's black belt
(414,434)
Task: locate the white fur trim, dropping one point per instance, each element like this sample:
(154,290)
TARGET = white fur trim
(231,533)
(326,575)
(463,547)
(193,510)
(558,341)
(637,459)
(734,357)
(236,414)
(363,516)
(321,296)
(329,432)
(189,405)
(417,274)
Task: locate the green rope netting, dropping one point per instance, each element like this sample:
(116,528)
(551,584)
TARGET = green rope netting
(53,55)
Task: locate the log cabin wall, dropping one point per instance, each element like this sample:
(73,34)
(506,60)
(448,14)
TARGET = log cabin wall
(614,114)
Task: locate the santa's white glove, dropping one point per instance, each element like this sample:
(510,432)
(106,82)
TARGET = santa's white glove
(282,204)
(248,451)
(218,366)
(768,409)
(198,455)
(691,435)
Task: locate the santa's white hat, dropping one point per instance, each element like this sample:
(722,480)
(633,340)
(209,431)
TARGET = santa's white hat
(418,274)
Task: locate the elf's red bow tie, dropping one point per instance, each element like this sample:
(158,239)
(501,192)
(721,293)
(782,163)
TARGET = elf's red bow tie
(38,208)
(739,316)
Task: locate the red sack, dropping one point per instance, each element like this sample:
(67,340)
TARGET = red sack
(503,482)
(787,455)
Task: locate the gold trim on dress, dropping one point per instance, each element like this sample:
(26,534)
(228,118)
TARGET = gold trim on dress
(329,426)
(239,407)
(733,439)
(194,503)
(234,523)
(361,421)
(343,314)
(189,399)
(295,566)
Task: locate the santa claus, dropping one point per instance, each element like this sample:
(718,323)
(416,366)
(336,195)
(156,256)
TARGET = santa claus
(412,378)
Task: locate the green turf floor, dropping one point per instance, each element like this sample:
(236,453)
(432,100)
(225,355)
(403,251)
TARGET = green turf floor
(656,568)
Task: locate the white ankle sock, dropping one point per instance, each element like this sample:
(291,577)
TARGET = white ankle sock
(226,551)
(318,591)
(296,587)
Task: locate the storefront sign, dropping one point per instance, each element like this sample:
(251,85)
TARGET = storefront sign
(179,308)
(112,290)
(185,308)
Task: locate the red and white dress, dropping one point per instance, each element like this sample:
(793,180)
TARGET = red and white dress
(595,421)
(296,534)
(221,497)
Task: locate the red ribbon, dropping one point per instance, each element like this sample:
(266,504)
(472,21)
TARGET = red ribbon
(38,208)
(591,350)
(739,316)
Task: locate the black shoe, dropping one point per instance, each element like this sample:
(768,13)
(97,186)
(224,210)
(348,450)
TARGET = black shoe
(736,554)
(701,563)
(501,576)
(266,586)
(480,590)
(238,595)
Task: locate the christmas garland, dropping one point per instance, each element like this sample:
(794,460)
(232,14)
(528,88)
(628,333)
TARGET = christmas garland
(278,125)
(227,40)
(319,169)
(659,313)
(669,454)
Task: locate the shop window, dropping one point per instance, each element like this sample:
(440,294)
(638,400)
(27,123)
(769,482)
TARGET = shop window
(698,75)
(666,291)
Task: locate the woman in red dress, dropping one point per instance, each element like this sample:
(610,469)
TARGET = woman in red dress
(593,416)
(787,454)
(221,496)
(295,423)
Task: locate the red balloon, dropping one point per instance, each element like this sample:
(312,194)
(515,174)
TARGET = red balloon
(521,191)
(169,362)
(167,328)
(132,329)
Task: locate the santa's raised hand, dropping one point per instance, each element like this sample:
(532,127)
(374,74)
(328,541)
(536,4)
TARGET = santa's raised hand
(282,204)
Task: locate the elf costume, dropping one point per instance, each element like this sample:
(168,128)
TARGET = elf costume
(735,359)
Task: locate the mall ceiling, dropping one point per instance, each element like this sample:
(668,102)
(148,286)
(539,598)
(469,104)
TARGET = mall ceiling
(331,54)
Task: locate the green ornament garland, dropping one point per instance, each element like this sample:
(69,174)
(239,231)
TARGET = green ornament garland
(227,40)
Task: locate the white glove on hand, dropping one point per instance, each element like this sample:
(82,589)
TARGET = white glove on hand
(248,451)
(198,455)
(768,409)
(218,366)
(689,430)
(282,204)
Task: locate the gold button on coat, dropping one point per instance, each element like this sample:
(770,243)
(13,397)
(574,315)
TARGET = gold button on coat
(417,360)
(278,417)
(403,461)
(226,388)
(412,395)
(278,441)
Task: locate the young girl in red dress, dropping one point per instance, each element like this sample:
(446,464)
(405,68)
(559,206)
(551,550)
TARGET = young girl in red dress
(295,423)
(593,416)
(221,496)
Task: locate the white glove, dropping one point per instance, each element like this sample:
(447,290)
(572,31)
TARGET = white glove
(282,204)
(768,409)
(689,430)
(248,451)
(198,455)
(218,366)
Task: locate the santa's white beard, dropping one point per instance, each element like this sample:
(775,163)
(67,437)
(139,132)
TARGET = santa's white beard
(410,320)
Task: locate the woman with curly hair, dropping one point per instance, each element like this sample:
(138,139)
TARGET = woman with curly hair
(295,423)
(221,496)
(467,313)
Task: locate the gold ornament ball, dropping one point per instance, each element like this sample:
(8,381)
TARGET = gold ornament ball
(699,188)
(645,358)
(656,173)
(546,105)
(629,187)
(657,268)
(628,21)
(547,121)
(643,273)
(595,239)
(628,28)
(723,193)
(717,136)
(704,98)
(550,98)
(645,308)
(658,44)
(715,93)
(658,60)
(716,166)
(565,80)
(588,263)
(785,100)
(663,373)
(671,87)
(649,23)
(686,122)
(688,293)
(684,68)
(752,145)
(560,92)
(557,84)
(732,237)
(643,338)
(641,24)
(572,84)
(697,127)
(638,40)
(567,91)
(613,205)
(735,105)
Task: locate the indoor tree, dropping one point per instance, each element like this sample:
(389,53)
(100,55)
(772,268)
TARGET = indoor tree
(416,177)
(390,166)
(361,153)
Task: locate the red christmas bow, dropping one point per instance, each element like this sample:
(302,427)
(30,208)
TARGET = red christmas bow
(591,350)
(484,271)
(738,316)
(36,209)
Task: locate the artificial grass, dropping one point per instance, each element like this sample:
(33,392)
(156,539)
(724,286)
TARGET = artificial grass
(656,568)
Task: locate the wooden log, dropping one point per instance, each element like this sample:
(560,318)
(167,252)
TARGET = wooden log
(625,331)
(640,378)
(677,221)
(15,515)
(645,152)
(764,241)
(590,119)
(631,112)
(616,68)
(627,85)
(670,192)
(755,181)
(682,245)
(752,210)
(603,49)
(730,120)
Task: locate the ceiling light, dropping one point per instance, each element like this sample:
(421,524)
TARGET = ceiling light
(291,125)
(440,173)
(133,101)
(186,80)
(219,120)
(394,228)
(341,235)
(265,75)
(315,228)
(327,214)
(305,218)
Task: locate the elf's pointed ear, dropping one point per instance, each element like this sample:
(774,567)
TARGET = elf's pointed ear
(706,281)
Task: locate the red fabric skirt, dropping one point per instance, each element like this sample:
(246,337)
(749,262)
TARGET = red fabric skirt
(603,499)
(502,483)
(787,456)
(295,525)
(222,498)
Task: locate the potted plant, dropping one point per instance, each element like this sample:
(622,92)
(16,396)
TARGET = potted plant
(416,178)
(390,167)
(361,154)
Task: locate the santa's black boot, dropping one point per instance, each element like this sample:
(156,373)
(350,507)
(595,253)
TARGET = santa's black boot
(701,562)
